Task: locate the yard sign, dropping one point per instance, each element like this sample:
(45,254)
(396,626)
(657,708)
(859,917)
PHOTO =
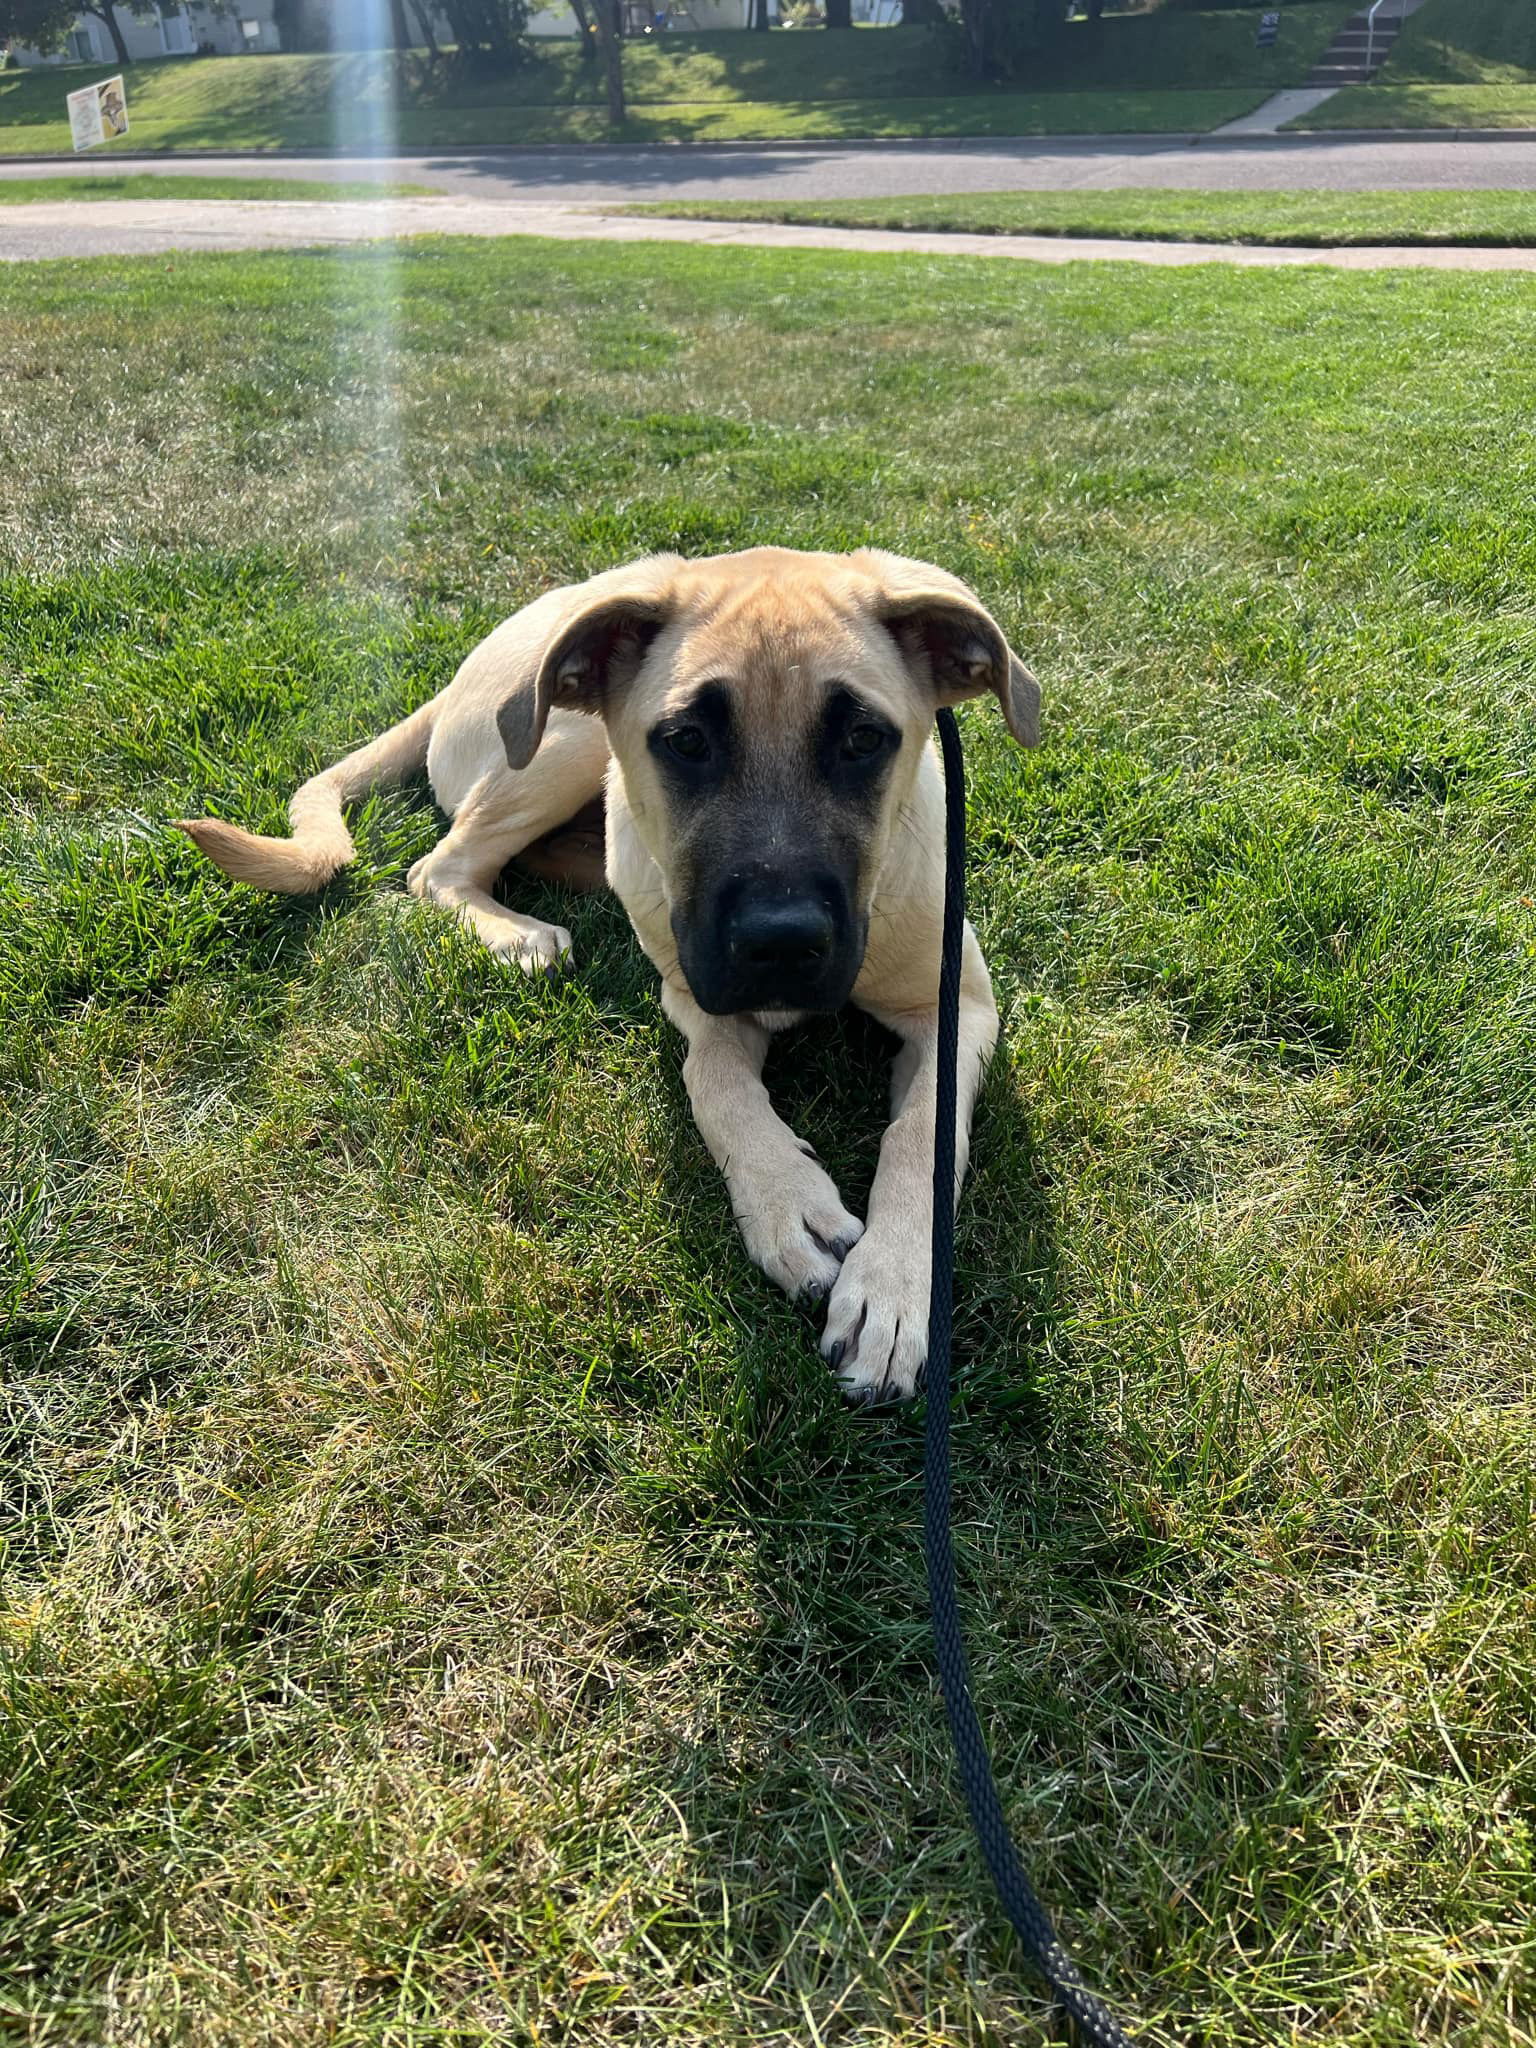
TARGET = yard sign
(97,113)
(1269,29)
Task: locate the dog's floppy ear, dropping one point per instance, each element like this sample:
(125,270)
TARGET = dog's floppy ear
(944,630)
(597,642)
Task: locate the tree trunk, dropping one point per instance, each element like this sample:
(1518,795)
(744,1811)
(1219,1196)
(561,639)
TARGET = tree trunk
(286,20)
(921,13)
(585,30)
(399,27)
(760,15)
(464,23)
(607,12)
(839,13)
(422,9)
(107,13)
(977,16)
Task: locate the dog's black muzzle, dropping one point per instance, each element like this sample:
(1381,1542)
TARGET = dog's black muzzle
(767,940)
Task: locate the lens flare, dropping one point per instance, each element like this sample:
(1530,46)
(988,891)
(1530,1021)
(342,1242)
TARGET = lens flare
(365,125)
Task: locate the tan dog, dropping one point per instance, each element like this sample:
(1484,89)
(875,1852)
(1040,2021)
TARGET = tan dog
(775,829)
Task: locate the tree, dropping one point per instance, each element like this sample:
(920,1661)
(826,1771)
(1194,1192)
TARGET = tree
(45,24)
(39,24)
(839,13)
(1001,36)
(488,31)
(610,40)
(107,13)
(422,9)
(586,30)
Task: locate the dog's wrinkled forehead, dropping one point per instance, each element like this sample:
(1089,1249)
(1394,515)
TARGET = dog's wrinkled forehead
(774,641)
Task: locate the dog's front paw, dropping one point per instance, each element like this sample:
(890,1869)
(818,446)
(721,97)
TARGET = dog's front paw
(793,1223)
(546,949)
(876,1338)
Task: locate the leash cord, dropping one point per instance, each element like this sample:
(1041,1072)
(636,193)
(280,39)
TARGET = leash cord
(1030,1921)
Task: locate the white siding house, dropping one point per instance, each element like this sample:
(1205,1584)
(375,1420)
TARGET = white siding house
(173,31)
(361,24)
(187,29)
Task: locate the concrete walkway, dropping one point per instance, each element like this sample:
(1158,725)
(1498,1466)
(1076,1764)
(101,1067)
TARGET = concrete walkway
(127,227)
(1276,111)
(1290,106)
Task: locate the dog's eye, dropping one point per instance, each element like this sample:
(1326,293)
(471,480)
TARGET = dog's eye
(862,741)
(688,742)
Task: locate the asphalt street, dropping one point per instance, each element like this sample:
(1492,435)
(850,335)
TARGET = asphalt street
(837,171)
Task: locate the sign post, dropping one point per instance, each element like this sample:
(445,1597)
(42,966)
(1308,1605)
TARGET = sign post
(97,113)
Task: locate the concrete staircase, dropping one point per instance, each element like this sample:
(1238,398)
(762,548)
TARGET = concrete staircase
(1344,60)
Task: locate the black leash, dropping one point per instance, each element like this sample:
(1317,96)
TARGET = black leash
(1029,1918)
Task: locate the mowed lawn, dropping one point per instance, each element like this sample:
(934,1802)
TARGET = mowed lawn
(443,1599)
(1150,213)
(151,185)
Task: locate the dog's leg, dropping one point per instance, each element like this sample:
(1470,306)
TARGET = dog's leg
(876,1338)
(789,1212)
(504,812)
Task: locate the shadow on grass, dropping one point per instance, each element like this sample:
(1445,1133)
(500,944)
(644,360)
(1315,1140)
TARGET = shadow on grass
(812,1774)
(822,1794)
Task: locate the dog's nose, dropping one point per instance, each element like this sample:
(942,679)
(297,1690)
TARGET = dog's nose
(797,934)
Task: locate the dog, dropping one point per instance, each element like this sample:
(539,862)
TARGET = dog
(748,737)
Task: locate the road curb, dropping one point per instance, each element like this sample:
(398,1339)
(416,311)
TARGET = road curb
(732,148)
(1391,135)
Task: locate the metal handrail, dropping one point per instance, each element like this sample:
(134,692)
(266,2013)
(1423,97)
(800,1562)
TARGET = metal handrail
(1370,38)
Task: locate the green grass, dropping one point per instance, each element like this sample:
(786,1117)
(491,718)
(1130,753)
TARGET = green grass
(1323,219)
(443,1601)
(149,185)
(953,113)
(1457,64)
(1159,71)
(1387,105)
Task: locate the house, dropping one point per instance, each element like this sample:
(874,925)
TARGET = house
(190,29)
(364,24)
(171,31)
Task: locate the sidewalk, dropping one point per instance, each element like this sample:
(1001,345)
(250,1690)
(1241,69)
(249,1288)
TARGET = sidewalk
(125,227)
(1276,111)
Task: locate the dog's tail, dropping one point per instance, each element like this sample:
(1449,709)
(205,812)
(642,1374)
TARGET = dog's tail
(321,844)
